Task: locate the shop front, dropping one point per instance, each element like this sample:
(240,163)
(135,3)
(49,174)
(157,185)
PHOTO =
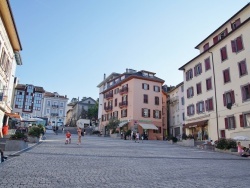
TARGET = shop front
(198,130)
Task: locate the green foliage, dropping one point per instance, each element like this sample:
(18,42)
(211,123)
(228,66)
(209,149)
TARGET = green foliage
(128,133)
(35,131)
(174,139)
(224,143)
(113,123)
(184,136)
(93,112)
(18,136)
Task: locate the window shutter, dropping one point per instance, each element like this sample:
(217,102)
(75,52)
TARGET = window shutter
(243,67)
(191,70)
(142,86)
(187,93)
(159,114)
(239,43)
(226,123)
(211,107)
(126,112)
(233,44)
(234,122)
(197,109)
(148,112)
(186,76)
(192,89)
(153,113)
(203,106)
(206,102)
(195,73)
(241,121)
(224,99)
(232,97)
(237,22)
(142,112)
(188,111)
(215,39)
(200,68)
(243,93)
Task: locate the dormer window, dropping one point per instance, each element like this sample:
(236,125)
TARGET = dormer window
(219,37)
(206,46)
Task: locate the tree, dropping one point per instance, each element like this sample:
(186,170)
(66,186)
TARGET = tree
(113,124)
(74,100)
(93,112)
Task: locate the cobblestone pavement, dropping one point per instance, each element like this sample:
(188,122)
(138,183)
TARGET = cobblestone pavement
(107,163)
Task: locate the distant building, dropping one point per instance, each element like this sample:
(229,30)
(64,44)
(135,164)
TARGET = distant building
(10,47)
(54,108)
(136,99)
(28,100)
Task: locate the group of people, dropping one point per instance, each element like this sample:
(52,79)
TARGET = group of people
(243,151)
(136,136)
(80,133)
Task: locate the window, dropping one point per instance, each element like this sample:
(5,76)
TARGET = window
(48,103)
(208,83)
(222,134)
(61,104)
(245,120)
(190,110)
(115,102)
(145,86)
(124,113)
(206,46)
(223,53)
(226,76)
(242,68)
(220,36)
(190,92)
(182,88)
(209,104)
(228,98)
(189,74)
(115,114)
(235,24)
(157,114)
(156,88)
(200,107)
(182,100)
(237,45)
(157,100)
(197,70)
(245,92)
(145,98)
(198,88)
(207,64)
(183,116)
(145,112)
(47,111)
(230,122)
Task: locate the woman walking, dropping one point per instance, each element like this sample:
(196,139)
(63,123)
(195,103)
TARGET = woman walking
(79,133)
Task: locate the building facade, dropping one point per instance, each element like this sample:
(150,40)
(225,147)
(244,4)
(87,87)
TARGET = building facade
(217,82)
(10,47)
(176,110)
(28,100)
(136,100)
(54,108)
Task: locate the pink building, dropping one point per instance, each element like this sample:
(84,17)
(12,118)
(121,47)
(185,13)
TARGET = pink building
(137,100)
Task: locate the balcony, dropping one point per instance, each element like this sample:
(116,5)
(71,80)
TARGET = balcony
(54,114)
(123,90)
(109,96)
(108,108)
(54,106)
(174,100)
(123,104)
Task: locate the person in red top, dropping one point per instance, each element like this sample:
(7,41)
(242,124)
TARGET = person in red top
(68,138)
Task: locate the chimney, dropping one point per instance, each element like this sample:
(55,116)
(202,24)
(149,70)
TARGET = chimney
(104,76)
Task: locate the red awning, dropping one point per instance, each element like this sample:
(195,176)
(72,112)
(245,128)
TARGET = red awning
(196,124)
(13,115)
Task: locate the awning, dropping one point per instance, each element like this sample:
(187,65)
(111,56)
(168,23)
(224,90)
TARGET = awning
(196,124)
(148,126)
(123,123)
(14,116)
(32,120)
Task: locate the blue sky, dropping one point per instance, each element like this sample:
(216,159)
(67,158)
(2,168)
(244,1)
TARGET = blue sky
(68,45)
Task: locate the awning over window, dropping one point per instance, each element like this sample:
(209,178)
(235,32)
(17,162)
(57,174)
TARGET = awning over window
(123,123)
(14,116)
(196,124)
(148,126)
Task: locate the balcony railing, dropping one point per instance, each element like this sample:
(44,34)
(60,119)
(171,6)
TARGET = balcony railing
(108,108)
(108,96)
(123,104)
(123,90)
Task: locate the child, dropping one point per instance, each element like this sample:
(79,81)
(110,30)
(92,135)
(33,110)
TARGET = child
(68,138)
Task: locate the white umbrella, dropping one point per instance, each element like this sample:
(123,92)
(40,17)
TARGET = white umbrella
(242,138)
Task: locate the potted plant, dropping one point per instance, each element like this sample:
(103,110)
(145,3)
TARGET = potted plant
(34,134)
(16,142)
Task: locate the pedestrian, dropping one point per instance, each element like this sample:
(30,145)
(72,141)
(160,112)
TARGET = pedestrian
(134,137)
(132,133)
(142,137)
(79,133)
(137,137)
(56,129)
(68,138)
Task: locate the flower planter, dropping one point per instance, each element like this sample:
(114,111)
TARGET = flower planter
(33,139)
(15,145)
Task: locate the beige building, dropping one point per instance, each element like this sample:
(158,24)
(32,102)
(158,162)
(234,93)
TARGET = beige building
(136,99)
(10,47)
(217,82)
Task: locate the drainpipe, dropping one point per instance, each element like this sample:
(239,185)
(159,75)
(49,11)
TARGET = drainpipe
(215,95)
